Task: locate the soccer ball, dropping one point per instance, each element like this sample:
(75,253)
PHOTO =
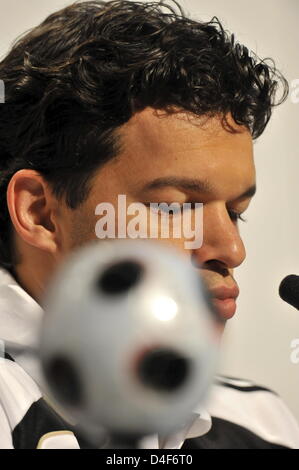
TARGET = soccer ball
(127,341)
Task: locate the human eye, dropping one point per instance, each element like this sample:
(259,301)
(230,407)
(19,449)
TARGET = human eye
(172,208)
(236,216)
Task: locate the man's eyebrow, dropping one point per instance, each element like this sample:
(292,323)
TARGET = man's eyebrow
(189,184)
(250,192)
(192,184)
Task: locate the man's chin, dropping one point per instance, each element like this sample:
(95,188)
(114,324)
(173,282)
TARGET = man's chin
(220,326)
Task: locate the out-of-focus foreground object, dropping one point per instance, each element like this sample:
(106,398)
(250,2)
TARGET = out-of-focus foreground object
(128,343)
(289,290)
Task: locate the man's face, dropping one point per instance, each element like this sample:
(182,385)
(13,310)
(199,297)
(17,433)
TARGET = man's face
(181,158)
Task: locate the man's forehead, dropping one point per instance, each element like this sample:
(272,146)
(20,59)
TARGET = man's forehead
(154,129)
(181,146)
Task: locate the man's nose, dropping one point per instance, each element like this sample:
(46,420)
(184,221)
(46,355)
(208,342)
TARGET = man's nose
(221,239)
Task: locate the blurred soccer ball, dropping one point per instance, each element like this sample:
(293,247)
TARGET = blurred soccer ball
(127,342)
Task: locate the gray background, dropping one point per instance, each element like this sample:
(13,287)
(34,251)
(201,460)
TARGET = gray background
(257,341)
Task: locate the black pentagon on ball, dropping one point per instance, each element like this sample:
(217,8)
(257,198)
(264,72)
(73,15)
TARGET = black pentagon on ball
(164,370)
(64,380)
(119,277)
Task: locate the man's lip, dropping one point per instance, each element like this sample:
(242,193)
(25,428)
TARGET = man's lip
(225,308)
(224,292)
(224,300)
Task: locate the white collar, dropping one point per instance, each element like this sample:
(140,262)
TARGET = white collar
(20,314)
(20,320)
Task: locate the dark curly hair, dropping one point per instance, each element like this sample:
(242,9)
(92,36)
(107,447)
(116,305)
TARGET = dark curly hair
(85,70)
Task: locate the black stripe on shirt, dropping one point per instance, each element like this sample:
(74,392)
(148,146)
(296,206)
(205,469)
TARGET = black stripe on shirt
(245,388)
(39,420)
(7,356)
(227,435)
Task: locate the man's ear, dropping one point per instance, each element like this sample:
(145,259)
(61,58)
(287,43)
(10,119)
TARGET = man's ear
(31,205)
